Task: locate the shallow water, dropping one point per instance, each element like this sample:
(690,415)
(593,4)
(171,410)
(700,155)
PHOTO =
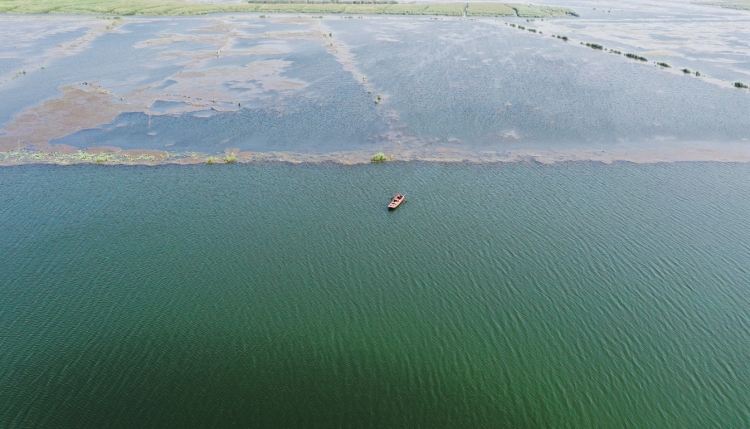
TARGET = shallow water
(219,83)
(274,295)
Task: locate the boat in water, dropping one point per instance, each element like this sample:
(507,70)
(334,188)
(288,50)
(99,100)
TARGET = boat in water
(396,201)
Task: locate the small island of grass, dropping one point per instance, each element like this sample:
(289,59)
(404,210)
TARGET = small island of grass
(378,157)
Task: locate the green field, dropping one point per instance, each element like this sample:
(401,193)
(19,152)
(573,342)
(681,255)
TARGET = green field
(172,7)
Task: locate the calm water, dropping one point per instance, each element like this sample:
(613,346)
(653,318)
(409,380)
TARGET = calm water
(506,295)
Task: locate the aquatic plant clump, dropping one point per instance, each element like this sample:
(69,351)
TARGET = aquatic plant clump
(686,71)
(595,46)
(636,57)
(740,85)
(230,158)
(665,65)
(613,51)
(378,157)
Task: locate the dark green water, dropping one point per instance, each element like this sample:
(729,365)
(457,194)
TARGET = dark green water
(512,295)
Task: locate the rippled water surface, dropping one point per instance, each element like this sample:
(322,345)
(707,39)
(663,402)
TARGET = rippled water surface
(273,295)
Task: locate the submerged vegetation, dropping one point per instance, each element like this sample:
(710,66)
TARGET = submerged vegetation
(378,157)
(175,7)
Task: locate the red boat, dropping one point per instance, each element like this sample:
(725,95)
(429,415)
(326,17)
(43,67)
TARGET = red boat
(396,201)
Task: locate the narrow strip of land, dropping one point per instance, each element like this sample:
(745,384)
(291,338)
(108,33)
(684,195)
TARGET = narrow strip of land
(174,7)
(731,4)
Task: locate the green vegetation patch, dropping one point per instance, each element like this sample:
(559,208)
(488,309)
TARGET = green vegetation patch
(366,9)
(378,157)
(406,9)
(446,9)
(665,65)
(595,46)
(531,11)
(490,9)
(740,85)
(732,4)
(636,57)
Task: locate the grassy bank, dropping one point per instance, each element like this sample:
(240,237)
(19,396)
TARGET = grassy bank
(173,7)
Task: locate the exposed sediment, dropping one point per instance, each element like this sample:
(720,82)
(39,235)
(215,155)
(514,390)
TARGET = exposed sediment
(168,7)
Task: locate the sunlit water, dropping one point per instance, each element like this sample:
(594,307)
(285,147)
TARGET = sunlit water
(503,295)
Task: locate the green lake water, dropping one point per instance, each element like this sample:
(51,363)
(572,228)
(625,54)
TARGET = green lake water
(519,295)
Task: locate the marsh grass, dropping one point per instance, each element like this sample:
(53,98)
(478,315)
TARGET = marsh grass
(490,9)
(446,9)
(211,160)
(230,158)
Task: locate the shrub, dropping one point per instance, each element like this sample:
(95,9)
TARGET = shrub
(665,65)
(595,46)
(698,74)
(210,160)
(686,71)
(378,157)
(740,85)
(230,158)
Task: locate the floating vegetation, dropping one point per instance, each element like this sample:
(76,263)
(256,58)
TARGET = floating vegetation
(230,158)
(595,46)
(378,157)
(686,71)
(636,57)
(740,85)
(665,65)
(211,160)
